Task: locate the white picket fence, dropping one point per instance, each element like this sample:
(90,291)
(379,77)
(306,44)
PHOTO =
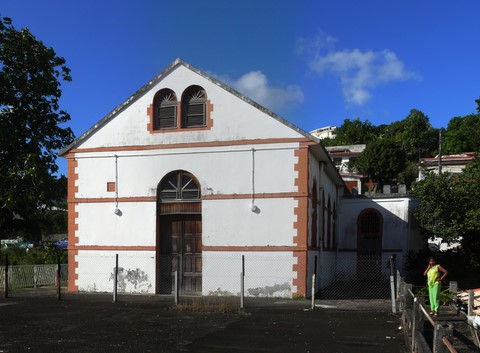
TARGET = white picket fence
(32,276)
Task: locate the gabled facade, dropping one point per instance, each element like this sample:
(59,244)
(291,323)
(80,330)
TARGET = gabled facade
(188,174)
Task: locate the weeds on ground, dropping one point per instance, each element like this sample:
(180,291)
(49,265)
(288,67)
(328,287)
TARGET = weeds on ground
(209,305)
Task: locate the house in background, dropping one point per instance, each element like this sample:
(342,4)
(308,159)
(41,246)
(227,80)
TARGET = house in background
(453,164)
(189,174)
(324,132)
(343,158)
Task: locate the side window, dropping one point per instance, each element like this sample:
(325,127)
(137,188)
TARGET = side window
(165,110)
(194,107)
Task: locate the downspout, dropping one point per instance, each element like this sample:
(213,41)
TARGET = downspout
(321,218)
(252,206)
(117,210)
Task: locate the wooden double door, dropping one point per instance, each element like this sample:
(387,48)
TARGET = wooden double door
(180,249)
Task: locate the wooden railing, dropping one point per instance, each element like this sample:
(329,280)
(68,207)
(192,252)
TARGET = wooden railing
(414,315)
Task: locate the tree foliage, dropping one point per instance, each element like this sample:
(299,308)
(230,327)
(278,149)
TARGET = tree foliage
(463,133)
(381,160)
(416,135)
(353,132)
(450,205)
(450,208)
(30,122)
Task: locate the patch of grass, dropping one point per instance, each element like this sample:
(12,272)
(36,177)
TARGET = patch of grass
(298,297)
(225,305)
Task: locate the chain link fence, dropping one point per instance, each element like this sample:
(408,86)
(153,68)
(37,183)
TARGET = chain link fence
(355,276)
(222,275)
(206,274)
(31,276)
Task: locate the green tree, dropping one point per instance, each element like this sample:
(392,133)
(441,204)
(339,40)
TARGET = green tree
(416,135)
(450,208)
(30,122)
(353,132)
(463,133)
(381,160)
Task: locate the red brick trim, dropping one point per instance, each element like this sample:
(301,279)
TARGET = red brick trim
(112,248)
(301,224)
(280,195)
(191,145)
(249,248)
(72,223)
(272,195)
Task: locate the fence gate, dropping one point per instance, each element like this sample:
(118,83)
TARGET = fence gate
(360,277)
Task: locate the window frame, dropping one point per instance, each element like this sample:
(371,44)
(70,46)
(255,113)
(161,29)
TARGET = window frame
(165,98)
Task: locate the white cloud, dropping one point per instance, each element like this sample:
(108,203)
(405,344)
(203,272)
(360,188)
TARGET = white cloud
(359,71)
(255,85)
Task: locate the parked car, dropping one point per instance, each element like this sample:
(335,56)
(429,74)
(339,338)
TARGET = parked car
(62,243)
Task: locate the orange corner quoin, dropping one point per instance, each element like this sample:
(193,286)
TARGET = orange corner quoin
(72,222)
(301,224)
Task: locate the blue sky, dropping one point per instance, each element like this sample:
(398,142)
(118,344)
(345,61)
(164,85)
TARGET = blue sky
(313,62)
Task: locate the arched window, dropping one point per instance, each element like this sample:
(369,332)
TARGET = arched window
(314,229)
(369,222)
(179,186)
(334,227)
(165,110)
(194,107)
(329,224)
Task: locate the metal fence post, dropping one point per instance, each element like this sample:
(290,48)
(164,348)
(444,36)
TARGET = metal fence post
(470,302)
(58,279)
(115,279)
(313,291)
(177,280)
(242,283)
(415,313)
(6,275)
(392,283)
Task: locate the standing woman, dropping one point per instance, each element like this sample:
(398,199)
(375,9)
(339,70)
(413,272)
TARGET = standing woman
(434,281)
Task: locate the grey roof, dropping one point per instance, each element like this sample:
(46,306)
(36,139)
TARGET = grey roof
(143,90)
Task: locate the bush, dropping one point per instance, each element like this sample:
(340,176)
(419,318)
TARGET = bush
(35,256)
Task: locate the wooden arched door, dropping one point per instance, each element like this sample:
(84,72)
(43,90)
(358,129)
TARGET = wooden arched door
(179,233)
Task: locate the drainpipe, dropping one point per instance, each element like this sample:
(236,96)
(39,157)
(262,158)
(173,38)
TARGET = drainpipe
(253,207)
(117,210)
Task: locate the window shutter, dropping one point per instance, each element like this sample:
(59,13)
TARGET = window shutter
(196,114)
(167,117)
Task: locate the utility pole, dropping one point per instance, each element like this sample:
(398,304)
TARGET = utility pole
(440,153)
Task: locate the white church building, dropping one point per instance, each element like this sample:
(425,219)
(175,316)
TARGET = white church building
(188,174)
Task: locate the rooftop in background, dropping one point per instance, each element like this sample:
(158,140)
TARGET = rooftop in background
(324,132)
(453,164)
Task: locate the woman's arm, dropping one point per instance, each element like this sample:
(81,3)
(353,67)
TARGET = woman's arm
(445,272)
(426,271)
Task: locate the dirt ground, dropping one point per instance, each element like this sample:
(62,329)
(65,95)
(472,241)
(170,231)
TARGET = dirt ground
(92,323)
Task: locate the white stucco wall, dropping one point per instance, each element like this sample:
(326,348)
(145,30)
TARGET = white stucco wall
(233,118)
(96,271)
(225,170)
(124,152)
(399,236)
(267,274)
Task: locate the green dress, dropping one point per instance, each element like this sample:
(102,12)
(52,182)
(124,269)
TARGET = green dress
(433,281)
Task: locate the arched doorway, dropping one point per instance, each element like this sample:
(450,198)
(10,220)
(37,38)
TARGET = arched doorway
(369,244)
(179,233)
